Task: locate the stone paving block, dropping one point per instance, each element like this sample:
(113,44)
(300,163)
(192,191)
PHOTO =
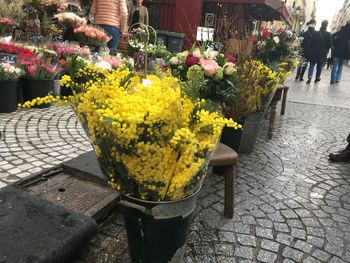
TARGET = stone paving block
(246,240)
(39,231)
(270,245)
(267,256)
(292,254)
(321,255)
(244,252)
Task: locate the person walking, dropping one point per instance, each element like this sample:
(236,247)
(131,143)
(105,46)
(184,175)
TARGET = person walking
(305,44)
(138,14)
(342,156)
(112,16)
(341,52)
(321,42)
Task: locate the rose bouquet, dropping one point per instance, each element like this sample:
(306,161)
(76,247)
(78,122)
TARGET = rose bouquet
(273,46)
(70,19)
(40,69)
(152,142)
(23,53)
(10,72)
(64,50)
(91,35)
(6,26)
(113,61)
(208,73)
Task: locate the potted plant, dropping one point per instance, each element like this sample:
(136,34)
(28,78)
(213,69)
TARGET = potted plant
(153,143)
(258,85)
(9,86)
(39,80)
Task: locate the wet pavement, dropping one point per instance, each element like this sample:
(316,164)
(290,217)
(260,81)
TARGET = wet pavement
(291,204)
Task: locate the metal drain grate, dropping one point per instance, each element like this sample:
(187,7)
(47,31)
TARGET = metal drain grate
(72,192)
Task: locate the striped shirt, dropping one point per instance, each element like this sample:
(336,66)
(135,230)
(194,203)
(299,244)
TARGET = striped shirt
(110,12)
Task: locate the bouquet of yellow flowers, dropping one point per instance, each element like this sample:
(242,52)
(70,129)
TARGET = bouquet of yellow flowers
(151,140)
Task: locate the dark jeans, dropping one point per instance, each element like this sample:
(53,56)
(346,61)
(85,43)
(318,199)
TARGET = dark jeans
(114,32)
(318,70)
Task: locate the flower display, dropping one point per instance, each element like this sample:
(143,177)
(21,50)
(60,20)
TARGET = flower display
(70,19)
(6,26)
(10,72)
(23,53)
(113,61)
(66,50)
(151,141)
(207,70)
(275,45)
(257,86)
(91,35)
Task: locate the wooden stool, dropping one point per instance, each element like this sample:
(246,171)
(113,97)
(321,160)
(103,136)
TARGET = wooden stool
(225,157)
(281,92)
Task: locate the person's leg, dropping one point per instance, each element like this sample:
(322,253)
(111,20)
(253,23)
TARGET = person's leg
(303,69)
(298,71)
(114,33)
(320,65)
(311,71)
(334,72)
(340,70)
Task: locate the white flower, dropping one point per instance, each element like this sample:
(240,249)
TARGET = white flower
(104,64)
(182,56)
(276,39)
(174,61)
(197,53)
(229,68)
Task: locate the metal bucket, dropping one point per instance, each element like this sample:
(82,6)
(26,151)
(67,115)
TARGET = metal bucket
(252,126)
(157,231)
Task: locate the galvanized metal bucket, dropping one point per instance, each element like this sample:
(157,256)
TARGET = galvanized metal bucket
(157,231)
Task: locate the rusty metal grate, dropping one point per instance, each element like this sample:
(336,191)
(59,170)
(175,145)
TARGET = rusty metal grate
(72,192)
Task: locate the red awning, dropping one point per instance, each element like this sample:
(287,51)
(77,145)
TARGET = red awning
(264,10)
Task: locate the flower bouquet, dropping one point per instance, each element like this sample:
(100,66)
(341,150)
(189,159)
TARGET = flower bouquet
(9,86)
(23,53)
(275,45)
(210,74)
(114,62)
(67,50)
(153,144)
(69,19)
(10,72)
(92,36)
(6,26)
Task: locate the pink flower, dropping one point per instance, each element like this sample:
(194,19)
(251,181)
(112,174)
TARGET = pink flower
(280,30)
(209,66)
(191,60)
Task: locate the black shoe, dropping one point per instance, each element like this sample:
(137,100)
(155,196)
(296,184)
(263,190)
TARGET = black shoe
(342,156)
(301,79)
(308,81)
(332,83)
(297,77)
(317,80)
(337,81)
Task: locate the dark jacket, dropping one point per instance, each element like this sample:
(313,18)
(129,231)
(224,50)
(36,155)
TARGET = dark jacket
(320,44)
(305,44)
(341,43)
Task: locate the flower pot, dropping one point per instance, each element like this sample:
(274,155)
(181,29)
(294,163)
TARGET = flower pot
(232,137)
(251,129)
(157,231)
(9,95)
(34,88)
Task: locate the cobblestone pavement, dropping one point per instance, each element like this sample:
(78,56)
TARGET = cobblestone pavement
(33,140)
(322,93)
(292,204)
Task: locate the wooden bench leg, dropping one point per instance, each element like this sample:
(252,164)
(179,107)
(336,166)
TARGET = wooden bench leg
(272,119)
(284,102)
(230,175)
